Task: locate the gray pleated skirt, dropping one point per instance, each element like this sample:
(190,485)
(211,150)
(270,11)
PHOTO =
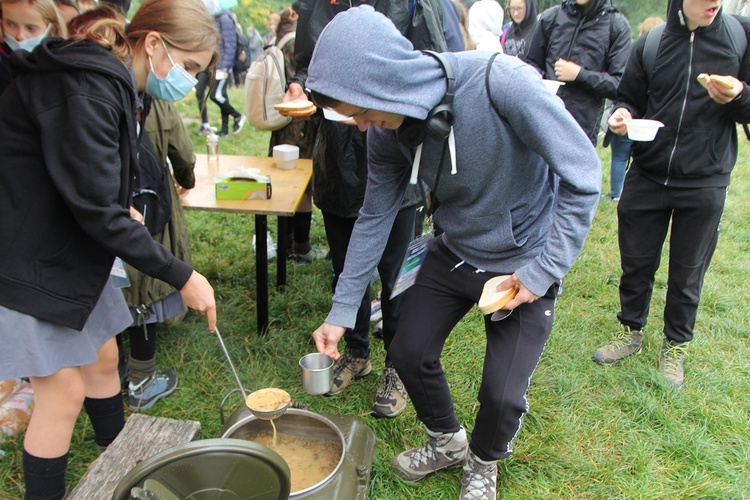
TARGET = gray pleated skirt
(32,347)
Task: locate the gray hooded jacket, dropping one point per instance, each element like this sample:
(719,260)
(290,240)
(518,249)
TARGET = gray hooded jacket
(525,186)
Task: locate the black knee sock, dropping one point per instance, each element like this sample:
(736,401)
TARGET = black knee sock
(44,477)
(142,344)
(107,418)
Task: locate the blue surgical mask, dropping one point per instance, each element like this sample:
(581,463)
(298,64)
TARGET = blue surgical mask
(174,86)
(27,43)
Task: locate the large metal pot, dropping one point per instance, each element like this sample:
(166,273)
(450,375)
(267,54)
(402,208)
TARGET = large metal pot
(349,479)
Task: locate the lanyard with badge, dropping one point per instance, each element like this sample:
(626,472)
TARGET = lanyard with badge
(417,249)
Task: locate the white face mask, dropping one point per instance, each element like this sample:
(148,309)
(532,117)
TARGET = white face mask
(28,43)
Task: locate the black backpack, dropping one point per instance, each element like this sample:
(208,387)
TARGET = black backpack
(152,196)
(243,55)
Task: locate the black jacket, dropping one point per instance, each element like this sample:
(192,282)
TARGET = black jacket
(597,39)
(67,164)
(698,145)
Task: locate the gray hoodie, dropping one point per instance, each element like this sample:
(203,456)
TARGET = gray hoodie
(525,188)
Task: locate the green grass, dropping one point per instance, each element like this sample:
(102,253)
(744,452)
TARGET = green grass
(592,432)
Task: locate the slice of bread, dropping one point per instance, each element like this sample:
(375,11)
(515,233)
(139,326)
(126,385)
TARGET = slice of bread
(724,81)
(298,108)
(492,300)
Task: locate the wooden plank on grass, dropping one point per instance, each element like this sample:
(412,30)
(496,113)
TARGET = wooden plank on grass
(141,438)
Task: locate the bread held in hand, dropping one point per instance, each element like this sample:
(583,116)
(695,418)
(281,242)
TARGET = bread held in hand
(492,300)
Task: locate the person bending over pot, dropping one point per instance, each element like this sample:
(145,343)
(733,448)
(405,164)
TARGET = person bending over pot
(518,184)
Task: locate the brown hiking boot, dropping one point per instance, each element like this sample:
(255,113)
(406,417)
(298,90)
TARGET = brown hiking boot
(391,399)
(627,342)
(348,369)
(670,361)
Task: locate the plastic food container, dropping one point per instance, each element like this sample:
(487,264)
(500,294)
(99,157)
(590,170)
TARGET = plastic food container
(286,156)
(643,130)
(553,85)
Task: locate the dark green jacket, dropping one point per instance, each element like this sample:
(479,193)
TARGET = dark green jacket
(171,140)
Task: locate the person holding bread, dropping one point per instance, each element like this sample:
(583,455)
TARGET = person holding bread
(518,183)
(678,182)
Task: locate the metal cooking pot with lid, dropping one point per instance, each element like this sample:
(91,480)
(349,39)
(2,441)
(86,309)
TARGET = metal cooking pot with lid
(215,469)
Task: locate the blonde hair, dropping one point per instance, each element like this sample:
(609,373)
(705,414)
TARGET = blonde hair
(183,24)
(49,12)
(648,24)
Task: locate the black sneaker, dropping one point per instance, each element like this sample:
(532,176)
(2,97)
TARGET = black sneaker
(238,124)
(223,132)
(159,385)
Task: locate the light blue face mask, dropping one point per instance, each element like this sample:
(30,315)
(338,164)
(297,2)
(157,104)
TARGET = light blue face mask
(27,43)
(174,86)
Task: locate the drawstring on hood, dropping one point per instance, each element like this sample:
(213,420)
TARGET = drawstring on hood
(363,60)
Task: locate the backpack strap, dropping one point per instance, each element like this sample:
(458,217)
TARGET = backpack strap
(650,48)
(487,83)
(286,39)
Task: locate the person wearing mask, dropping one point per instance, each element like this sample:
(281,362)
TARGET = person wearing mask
(585,44)
(68,166)
(518,33)
(531,226)
(677,184)
(25,23)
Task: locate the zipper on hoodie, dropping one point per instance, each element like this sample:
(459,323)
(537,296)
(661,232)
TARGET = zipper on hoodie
(682,110)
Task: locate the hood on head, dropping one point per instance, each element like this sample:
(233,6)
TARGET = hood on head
(676,20)
(592,10)
(362,59)
(531,13)
(486,24)
(57,54)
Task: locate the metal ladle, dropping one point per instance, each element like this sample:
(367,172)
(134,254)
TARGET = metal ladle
(264,415)
(231,365)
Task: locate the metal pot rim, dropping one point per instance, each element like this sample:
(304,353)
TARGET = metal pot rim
(241,421)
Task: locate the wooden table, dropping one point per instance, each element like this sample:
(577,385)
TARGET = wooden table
(287,188)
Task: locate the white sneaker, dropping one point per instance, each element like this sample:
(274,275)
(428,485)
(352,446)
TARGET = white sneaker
(270,246)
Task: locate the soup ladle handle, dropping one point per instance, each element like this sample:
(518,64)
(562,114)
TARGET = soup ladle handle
(231,365)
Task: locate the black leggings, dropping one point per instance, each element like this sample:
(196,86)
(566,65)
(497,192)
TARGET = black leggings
(442,295)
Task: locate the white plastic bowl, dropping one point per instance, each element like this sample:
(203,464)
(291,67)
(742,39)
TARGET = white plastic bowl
(553,85)
(643,130)
(286,156)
